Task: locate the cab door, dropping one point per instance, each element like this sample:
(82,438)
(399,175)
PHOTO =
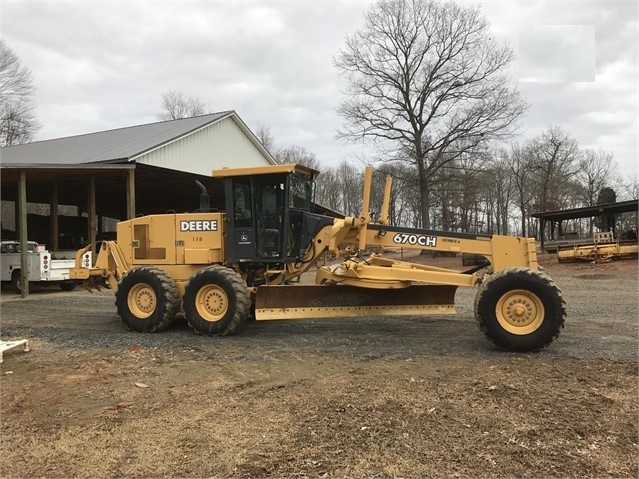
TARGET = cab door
(270,213)
(241,219)
(262,228)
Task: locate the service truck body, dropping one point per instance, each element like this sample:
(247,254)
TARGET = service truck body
(42,267)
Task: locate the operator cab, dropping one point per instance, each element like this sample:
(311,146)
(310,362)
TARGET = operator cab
(268,212)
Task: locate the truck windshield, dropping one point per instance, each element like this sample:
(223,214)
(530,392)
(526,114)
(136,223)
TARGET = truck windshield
(14,247)
(301,191)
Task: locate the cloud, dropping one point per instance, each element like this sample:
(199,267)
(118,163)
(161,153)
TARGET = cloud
(102,65)
(600,114)
(557,53)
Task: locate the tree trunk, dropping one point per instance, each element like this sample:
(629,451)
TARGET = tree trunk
(523,221)
(424,200)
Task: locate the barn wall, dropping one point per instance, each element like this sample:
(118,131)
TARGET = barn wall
(222,144)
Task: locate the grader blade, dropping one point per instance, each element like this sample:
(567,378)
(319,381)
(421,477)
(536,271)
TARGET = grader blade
(298,302)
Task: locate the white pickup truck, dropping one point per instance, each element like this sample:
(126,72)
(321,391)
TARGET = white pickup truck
(43,268)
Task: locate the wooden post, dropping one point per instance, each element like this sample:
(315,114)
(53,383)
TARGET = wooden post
(22,228)
(130,194)
(54,240)
(91,217)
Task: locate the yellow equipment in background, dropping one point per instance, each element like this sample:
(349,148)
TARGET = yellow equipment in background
(219,268)
(605,247)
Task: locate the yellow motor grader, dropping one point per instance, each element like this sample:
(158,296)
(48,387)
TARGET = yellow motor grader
(220,268)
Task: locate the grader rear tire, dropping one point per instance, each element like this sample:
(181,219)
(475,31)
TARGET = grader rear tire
(519,309)
(216,301)
(147,299)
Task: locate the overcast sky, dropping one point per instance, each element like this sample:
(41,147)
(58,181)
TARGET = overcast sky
(102,65)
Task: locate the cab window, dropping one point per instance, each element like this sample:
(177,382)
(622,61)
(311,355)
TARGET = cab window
(242,202)
(301,191)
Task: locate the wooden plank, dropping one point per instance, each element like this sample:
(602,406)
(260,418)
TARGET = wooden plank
(6,345)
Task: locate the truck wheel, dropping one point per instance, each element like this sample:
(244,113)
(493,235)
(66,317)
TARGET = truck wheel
(519,309)
(147,299)
(16,280)
(216,301)
(67,285)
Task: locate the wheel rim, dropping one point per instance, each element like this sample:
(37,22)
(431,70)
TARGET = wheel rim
(520,312)
(211,302)
(142,301)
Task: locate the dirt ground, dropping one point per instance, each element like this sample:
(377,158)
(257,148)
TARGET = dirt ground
(366,397)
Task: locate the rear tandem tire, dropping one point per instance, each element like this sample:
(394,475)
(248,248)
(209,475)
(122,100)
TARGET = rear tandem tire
(147,299)
(216,301)
(520,309)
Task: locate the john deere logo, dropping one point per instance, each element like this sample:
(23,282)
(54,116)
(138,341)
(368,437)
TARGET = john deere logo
(198,225)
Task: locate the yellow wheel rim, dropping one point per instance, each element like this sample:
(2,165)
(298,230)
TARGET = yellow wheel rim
(211,302)
(142,300)
(520,312)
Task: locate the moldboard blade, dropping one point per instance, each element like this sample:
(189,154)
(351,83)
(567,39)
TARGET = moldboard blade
(298,302)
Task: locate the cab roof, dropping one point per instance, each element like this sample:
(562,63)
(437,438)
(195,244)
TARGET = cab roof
(264,170)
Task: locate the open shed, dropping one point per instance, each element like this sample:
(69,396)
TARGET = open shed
(121,173)
(552,222)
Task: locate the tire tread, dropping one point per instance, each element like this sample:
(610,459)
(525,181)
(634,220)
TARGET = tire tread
(242,296)
(169,292)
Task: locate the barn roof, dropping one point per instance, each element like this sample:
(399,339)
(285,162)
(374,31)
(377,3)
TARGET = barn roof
(122,144)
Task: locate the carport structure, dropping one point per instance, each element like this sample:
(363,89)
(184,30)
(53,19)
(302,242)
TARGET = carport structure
(552,221)
(119,191)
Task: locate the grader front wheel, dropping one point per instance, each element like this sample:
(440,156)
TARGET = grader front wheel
(520,309)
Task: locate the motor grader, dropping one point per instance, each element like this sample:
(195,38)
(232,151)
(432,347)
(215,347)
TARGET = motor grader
(220,268)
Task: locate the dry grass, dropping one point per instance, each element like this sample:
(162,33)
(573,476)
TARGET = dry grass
(316,416)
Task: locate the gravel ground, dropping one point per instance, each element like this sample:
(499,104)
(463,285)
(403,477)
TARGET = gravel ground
(601,307)
(363,397)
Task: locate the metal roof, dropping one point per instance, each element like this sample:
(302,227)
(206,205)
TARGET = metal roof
(111,145)
(588,211)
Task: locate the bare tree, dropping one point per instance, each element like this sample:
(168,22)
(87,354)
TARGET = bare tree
(175,106)
(406,207)
(264,136)
(297,154)
(554,155)
(351,184)
(631,187)
(17,110)
(596,170)
(328,191)
(428,83)
(519,165)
